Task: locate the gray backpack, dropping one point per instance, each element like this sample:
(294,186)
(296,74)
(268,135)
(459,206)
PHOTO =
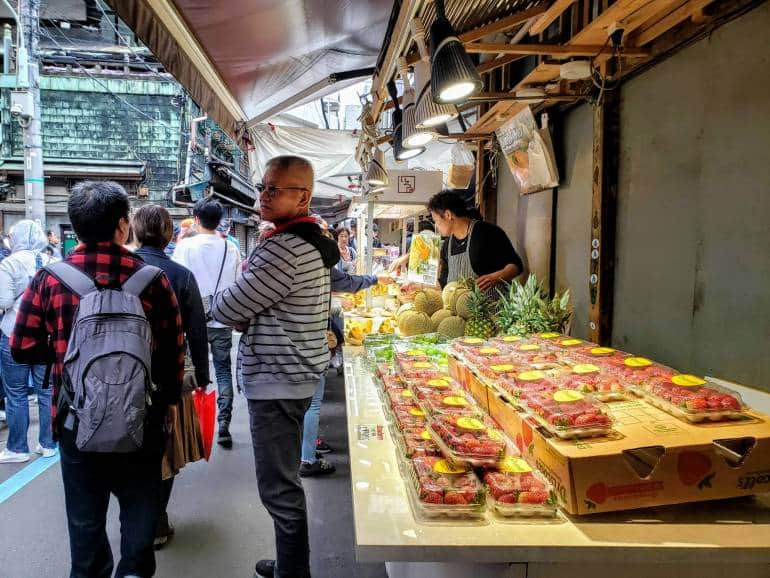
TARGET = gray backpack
(106,380)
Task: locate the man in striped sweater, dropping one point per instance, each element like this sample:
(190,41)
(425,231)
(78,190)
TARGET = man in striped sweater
(283,297)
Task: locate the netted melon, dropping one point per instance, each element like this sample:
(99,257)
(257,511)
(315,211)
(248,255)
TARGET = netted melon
(452,326)
(414,323)
(428,301)
(439,316)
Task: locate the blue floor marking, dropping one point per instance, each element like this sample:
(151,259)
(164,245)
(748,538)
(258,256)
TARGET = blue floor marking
(24,476)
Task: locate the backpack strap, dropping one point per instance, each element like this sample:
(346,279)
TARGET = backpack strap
(138,282)
(71,277)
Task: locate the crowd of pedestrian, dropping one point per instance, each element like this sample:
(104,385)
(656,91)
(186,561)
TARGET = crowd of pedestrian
(114,341)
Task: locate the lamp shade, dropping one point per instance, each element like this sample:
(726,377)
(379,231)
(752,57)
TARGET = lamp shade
(400,152)
(454,77)
(429,113)
(377,175)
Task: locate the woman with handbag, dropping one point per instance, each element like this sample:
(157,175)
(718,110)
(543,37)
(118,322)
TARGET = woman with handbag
(153,229)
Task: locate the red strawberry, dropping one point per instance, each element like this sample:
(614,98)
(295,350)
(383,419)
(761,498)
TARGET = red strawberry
(697,404)
(597,493)
(533,497)
(454,498)
(715,402)
(507,499)
(693,467)
(432,497)
(729,402)
(584,420)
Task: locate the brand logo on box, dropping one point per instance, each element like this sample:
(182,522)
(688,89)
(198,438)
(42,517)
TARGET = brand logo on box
(599,493)
(754,479)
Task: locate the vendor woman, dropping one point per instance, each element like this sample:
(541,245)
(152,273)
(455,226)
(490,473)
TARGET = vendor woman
(472,248)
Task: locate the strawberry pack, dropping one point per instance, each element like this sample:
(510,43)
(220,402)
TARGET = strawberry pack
(443,489)
(515,490)
(451,402)
(421,369)
(589,378)
(409,416)
(417,442)
(569,414)
(474,440)
(694,399)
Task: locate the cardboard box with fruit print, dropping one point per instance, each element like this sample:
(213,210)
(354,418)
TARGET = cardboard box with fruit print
(652,458)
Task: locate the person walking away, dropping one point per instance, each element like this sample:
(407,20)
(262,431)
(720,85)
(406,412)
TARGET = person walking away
(348,254)
(153,229)
(53,244)
(214,263)
(121,453)
(284,298)
(16,272)
(472,249)
(224,231)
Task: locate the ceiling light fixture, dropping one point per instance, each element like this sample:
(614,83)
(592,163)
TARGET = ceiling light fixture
(454,77)
(411,136)
(377,175)
(400,153)
(428,112)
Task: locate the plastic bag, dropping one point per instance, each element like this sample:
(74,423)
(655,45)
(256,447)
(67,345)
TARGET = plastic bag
(424,258)
(206,408)
(461,168)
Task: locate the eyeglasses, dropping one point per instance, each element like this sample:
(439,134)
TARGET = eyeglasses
(272,191)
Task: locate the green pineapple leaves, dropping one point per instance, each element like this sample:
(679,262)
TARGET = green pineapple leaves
(527,308)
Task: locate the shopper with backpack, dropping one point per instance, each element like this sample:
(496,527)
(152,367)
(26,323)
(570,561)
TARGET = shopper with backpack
(111,327)
(16,271)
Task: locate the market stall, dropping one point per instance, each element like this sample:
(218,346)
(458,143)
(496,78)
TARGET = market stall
(430,507)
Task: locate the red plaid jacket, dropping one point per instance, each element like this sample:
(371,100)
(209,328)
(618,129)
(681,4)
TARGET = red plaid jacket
(47,310)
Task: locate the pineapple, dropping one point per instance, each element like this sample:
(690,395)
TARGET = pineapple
(480,322)
(526,308)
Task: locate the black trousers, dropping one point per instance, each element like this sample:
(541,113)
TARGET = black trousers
(276,433)
(135,480)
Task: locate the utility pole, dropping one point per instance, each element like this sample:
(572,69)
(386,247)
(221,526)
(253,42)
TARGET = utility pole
(34,185)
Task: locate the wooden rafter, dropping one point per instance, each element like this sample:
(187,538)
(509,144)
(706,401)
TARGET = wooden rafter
(556,50)
(672,19)
(501,25)
(553,12)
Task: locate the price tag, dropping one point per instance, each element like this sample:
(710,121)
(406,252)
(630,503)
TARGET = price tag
(495,435)
(407,393)
(503,368)
(455,401)
(489,350)
(511,338)
(567,396)
(514,465)
(584,368)
(534,375)
(415,353)
(529,347)
(571,342)
(637,362)
(472,340)
(416,412)
(425,435)
(445,467)
(602,351)
(549,335)
(470,423)
(440,383)
(422,364)
(687,380)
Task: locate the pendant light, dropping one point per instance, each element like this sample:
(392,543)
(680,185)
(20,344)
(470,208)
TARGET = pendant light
(428,112)
(400,153)
(411,136)
(377,175)
(454,77)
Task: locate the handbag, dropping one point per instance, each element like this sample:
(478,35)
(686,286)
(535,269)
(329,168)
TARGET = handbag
(209,299)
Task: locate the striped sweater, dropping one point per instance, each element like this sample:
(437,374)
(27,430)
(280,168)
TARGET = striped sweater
(283,296)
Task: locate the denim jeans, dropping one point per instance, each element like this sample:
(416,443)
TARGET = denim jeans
(312,417)
(221,342)
(135,480)
(276,434)
(16,379)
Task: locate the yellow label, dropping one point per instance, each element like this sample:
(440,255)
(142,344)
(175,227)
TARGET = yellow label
(415,352)
(407,393)
(567,396)
(417,412)
(425,435)
(514,465)
(687,380)
(583,368)
(445,467)
(502,368)
(529,347)
(489,350)
(495,435)
(470,423)
(549,335)
(422,364)
(602,351)
(637,362)
(511,338)
(534,375)
(440,383)
(571,342)
(455,400)
(473,340)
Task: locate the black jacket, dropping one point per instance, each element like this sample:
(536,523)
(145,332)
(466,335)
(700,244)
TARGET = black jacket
(190,305)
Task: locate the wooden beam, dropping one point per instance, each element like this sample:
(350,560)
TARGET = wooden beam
(596,31)
(501,25)
(558,50)
(553,12)
(673,19)
(604,195)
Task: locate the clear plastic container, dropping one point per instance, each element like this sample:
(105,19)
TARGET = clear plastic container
(507,369)
(568,345)
(639,373)
(696,400)
(569,414)
(420,370)
(450,402)
(406,417)
(440,489)
(525,383)
(515,490)
(484,355)
(422,387)
(473,440)
(416,442)
(401,398)
(604,385)
(466,345)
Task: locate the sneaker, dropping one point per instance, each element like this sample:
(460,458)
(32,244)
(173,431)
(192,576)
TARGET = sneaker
(224,438)
(265,569)
(317,468)
(322,447)
(2,415)
(9,457)
(336,361)
(45,452)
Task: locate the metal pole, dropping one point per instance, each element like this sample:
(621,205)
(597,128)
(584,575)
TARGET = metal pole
(7,48)
(369,232)
(34,186)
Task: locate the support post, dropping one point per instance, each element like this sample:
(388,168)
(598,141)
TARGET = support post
(34,185)
(606,154)
(486,190)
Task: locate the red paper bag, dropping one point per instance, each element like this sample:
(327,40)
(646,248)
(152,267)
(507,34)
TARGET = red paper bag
(206,408)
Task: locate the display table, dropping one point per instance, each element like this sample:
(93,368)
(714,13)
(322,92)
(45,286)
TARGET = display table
(724,538)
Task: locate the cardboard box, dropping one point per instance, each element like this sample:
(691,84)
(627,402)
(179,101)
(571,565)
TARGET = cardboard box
(653,458)
(470,381)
